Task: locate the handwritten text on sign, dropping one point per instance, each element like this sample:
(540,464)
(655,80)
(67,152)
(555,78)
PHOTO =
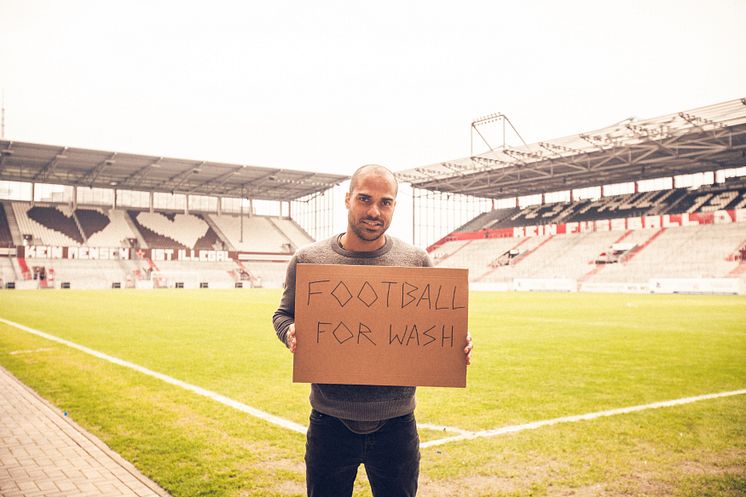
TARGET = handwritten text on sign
(380,325)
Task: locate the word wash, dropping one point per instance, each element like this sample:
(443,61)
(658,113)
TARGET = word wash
(380,325)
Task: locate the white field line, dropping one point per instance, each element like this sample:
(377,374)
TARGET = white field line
(270,418)
(428,426)
(580,417)
(284,423)
(18,352)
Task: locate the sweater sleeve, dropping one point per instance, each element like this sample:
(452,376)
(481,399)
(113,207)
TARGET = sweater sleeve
(284,316)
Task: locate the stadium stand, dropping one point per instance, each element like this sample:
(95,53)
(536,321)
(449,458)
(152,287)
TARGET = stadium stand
(629,205)
(53,218)
(268,274)
(210,240)
(91,221)
(114,233)
(490,219)
(82,274)
(6,238)
(7,271)
(709,199)
(565,256)
(191,275)
(297,236)
(159,229)
(705,251)
(675,201)
(683,252)
(47,225)
(640,241)
(259,234)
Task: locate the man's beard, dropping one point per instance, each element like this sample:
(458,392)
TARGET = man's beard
(367,236)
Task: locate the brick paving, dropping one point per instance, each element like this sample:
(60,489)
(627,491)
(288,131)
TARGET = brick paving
(45,454)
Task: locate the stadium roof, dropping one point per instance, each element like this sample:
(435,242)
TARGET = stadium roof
(703,139)
(32,162)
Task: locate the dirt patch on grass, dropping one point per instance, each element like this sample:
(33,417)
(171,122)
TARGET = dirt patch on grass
(472,486)
(707,472)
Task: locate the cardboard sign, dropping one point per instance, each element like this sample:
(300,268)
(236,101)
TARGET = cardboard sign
(380,325)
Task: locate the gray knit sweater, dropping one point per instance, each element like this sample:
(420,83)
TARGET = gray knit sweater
(351,402)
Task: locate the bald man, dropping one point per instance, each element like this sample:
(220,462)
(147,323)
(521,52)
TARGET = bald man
(359,424)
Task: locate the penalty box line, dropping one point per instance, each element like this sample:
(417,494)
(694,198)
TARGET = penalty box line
(289,425)
(579,417)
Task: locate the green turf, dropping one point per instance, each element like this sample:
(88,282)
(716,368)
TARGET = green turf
(537,356)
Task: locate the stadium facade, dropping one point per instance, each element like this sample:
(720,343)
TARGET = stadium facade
(654,205)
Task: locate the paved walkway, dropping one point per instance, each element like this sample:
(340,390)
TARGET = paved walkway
(44,453)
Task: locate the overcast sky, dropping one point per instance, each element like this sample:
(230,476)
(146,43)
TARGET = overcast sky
(331,85)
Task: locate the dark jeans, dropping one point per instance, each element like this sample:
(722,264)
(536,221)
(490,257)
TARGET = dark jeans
(391,457)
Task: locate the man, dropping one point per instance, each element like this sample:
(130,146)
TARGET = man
(359,424)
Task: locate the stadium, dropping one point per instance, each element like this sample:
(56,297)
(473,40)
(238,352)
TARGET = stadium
(607,271)
(652,205)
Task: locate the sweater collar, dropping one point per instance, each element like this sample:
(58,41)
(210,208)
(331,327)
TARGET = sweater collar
(361,255)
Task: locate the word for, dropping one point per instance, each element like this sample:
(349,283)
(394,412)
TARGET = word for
(394,293)
(439,335)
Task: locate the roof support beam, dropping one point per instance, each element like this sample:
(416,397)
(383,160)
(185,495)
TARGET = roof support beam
(217,181)
(91,176)
(49,168)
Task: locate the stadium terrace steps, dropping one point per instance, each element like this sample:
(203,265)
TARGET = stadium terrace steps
(210,240)
(186,229)
(54,219)
(527,253)
(114,233)
(151,233)
(91,221)
(221,236)
(657,202)
(284,236)
(738,270)
(7,271)
(294,233)
(46,234)
(258,234)
(23,267)
(598,267)
(13,224)
(216,274)
(133,228)
(565,255)
(641,246)
(454,251)
(6,238)
(494,265)
(85,274)
(268,274)
(699,251)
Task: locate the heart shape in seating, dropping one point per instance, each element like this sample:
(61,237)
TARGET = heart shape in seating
(53,219)
(184,228)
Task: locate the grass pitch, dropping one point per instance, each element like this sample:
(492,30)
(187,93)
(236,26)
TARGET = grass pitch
(537,356)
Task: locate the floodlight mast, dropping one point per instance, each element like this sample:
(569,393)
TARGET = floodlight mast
(492,118)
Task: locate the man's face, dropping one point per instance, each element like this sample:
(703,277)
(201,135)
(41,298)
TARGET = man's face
(370,205)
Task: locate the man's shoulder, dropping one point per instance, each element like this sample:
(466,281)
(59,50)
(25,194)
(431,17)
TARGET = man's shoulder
(414,255)
(403,246)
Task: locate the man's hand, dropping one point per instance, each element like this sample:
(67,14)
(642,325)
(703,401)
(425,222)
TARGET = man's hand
(467,349)
(291,338)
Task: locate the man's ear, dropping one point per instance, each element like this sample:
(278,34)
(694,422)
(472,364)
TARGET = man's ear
(347,200)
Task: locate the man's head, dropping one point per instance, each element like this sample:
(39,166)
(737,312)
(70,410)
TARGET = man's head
(370,204)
